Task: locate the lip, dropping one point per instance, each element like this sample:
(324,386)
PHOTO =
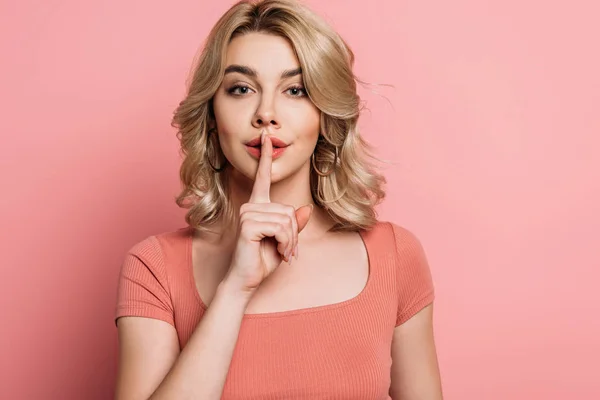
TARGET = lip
(276,142)
(255,151)
(254,148)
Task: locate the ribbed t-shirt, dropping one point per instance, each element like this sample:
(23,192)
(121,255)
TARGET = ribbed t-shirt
(335,351)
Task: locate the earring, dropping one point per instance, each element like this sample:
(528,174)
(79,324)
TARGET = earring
(320,173)
(210,149)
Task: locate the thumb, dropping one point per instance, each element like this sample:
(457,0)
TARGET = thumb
(303,215)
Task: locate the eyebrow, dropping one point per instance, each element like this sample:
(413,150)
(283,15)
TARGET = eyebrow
(245,70)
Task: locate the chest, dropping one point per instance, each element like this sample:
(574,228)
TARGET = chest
(328,272)
(318,329)
(301,357)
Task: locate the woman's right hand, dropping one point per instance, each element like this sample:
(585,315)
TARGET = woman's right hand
(267,232)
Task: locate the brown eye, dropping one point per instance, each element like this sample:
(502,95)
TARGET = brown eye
(297,91)
(238,90)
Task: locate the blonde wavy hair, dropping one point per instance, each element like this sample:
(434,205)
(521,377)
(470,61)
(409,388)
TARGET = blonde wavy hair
(344,180)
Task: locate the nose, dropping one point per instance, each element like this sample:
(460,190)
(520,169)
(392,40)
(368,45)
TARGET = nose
(265,114)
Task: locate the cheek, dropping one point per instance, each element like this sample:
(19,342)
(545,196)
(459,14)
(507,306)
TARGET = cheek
(225,112)
(230,119)
(309,126)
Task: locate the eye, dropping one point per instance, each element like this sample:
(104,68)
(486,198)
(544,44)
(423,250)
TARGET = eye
(238,90)
(297,91)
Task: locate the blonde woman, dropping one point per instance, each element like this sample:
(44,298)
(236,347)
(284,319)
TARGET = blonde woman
(283,284)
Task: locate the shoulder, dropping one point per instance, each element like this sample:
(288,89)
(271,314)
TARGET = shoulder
(406,240)
(409,249)
(402,238)
(404,247)
(413,279)
(154,247)
(155,257)
(144,288)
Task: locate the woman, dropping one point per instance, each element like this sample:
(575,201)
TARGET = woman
(284,285)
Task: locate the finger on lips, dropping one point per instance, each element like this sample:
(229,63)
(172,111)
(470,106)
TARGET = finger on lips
(262,182)
(260,197)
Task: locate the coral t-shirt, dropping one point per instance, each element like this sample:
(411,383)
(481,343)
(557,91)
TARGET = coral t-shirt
(335,351)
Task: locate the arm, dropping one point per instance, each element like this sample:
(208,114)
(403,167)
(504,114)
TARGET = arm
(151,367)
(150,348)
(415,371)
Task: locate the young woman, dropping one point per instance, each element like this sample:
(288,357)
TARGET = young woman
(283,284)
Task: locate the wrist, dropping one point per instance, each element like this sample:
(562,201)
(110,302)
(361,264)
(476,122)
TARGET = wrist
(233,291)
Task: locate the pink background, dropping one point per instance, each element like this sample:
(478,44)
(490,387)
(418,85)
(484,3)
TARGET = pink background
(493,126)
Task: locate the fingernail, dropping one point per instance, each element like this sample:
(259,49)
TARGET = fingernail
(262,137)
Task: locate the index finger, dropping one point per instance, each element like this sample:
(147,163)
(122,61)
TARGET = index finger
(262,181)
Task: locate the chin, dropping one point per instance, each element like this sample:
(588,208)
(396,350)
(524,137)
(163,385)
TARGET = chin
(278,173)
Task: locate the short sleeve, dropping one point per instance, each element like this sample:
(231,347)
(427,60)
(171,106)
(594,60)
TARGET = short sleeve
(413,276)
(143,289)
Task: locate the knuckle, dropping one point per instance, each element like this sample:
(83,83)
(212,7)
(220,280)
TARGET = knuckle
(291,213)
(287,221)
(245,227)
(283,219)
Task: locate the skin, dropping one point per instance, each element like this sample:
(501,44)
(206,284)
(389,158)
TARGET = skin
(279,106)
(270,195)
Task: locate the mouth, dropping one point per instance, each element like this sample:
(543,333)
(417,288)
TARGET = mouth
(254,147)
(277,143)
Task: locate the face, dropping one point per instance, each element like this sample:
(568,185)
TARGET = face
(263,89)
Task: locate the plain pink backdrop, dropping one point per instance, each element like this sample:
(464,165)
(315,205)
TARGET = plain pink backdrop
(492,125)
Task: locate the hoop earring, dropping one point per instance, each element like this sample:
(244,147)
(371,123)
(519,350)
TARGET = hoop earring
(209,151)
(330,171)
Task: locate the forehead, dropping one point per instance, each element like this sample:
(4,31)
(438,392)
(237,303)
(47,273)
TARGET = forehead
(268,54)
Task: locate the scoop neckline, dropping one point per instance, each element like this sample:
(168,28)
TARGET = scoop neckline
(299,311)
